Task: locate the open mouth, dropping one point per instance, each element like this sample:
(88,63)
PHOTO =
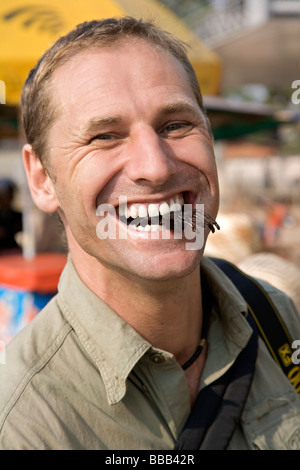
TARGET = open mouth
(170,214)
(153,216)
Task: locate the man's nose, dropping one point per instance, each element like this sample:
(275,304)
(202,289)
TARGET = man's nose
(150,158)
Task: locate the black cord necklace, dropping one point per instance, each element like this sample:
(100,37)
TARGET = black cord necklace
(195,355)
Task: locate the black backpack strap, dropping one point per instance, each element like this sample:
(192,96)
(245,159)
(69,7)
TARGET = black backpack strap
(266,316)
(219,406)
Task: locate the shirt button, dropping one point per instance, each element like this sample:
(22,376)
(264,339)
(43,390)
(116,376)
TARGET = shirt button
(157,358)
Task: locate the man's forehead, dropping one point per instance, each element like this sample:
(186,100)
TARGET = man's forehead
(78,55)
(102,66)
(139,49)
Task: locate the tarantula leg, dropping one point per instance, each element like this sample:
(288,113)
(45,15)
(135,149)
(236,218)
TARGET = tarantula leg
(191,219)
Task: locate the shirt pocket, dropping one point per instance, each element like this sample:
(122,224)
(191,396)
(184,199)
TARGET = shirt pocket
(274,424)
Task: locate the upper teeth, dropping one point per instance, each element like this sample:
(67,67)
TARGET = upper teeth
(152,210)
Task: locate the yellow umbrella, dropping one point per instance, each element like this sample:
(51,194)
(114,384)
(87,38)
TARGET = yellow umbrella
(27,28)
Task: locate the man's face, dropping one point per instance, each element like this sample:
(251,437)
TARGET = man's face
(129,126)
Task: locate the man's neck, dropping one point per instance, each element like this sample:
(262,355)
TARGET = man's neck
(168,314)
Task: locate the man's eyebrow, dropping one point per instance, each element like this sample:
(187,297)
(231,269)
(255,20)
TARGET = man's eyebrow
(191,109)
(181,106)
(94,124)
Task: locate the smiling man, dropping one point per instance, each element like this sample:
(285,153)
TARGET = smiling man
(117,135)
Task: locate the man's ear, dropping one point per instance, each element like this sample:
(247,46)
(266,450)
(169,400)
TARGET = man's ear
(40,183)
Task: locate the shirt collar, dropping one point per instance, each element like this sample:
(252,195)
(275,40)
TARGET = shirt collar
(112,344)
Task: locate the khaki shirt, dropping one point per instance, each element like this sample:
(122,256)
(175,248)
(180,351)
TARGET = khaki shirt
(79,377)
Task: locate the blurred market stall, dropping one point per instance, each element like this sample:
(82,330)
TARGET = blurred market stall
(27,28)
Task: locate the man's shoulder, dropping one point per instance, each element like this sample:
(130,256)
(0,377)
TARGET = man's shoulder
(33,346)
(28,353)
(282,302)
(272,413)
(271,417)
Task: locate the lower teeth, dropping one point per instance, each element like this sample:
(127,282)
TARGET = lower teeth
(149,228)
(142,224)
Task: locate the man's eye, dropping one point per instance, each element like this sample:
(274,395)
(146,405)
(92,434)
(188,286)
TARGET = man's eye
(177,128)
(102,137)
(174,127)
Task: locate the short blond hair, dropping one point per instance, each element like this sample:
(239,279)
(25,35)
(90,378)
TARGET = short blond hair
(37,103)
